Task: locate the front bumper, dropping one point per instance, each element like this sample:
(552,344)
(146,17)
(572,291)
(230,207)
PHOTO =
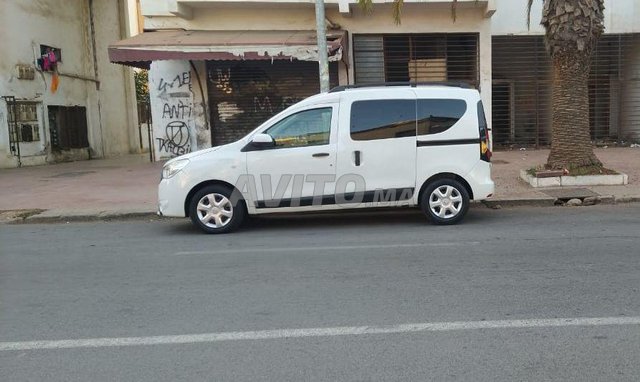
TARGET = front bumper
(172,194)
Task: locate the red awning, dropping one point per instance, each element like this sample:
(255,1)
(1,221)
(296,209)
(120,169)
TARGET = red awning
(140,50)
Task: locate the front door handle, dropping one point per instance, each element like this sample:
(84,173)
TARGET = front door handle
(320,155)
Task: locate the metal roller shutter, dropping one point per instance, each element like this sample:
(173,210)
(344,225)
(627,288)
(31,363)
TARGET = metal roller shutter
(416,57)
(243,94)
(522,90)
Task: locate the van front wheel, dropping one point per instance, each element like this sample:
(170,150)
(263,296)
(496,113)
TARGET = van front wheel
(216,209)
(445,201)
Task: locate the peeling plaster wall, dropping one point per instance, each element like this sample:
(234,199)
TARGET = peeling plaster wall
(201,105)
(179,117)
(117,88)
(64,24)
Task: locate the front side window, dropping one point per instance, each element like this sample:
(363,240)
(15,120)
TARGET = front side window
(306,128)
(438,115)
(383,119)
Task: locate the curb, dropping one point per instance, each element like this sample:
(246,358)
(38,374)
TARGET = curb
(103,216)
(627,199)
(51,217)
(524,202)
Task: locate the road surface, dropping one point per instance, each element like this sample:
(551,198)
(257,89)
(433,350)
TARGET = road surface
(514,294)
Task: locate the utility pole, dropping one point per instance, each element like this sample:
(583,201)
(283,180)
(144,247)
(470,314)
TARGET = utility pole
(323,60)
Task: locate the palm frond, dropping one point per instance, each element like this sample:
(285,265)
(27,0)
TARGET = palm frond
(397,10)
(366,5)
(529,4)
(454,5)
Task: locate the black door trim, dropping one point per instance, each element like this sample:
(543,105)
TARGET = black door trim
(449,142)
(397,194)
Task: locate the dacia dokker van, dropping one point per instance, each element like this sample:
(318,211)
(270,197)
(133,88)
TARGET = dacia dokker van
(354,147)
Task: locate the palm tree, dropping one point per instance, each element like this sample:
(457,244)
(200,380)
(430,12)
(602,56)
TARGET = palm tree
(572,29)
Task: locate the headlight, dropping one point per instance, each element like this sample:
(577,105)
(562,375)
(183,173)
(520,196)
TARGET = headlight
(170,169)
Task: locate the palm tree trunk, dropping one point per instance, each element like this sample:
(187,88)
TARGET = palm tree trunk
(572,29)
(571,142)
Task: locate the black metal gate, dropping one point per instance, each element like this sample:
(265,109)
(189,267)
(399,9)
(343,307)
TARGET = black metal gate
(243,94)
(12,125)
(68,127)
(145,122)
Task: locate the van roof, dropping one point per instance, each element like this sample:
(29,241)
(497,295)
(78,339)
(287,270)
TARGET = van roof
(448,84)
(443,89)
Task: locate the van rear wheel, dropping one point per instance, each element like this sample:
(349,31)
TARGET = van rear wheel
(445,201)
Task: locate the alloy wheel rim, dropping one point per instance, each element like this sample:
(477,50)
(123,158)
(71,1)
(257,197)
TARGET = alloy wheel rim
(215,210)
(445,202)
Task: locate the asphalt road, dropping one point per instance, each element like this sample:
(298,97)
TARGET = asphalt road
(515,294)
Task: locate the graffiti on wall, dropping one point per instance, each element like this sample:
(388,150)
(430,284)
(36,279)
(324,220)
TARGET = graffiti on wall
(223,82)
(175,94)
(264,104)
(177,139)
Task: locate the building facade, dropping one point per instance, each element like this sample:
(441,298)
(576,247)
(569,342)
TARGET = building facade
(219,68)
(62,99)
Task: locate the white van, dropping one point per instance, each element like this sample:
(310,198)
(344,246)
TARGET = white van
(354,147)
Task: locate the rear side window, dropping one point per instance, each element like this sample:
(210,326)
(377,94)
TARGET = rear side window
(383,119)
(438,115)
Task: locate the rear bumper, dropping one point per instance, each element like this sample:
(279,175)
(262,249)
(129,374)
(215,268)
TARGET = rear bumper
(479,179)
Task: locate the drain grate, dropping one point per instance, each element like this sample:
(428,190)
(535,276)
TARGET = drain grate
(570,193)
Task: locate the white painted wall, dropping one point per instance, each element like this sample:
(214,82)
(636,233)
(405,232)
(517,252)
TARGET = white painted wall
(179,120)
(621,16)
(25,24)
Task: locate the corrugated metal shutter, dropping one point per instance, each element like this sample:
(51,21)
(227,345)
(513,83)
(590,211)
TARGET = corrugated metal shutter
(521,90)
(521,107)
(630,90)
(243,94)
(368,51)
(416,57)
(630,110)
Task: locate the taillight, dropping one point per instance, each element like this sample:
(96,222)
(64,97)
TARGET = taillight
(485,151)
(485,144)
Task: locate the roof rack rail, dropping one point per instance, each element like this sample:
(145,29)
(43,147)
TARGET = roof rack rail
(463,85)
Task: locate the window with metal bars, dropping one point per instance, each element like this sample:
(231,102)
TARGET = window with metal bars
(416,57)
(27,126)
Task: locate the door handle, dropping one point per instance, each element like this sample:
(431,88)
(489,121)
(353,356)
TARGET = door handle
(320,155)
(356,155)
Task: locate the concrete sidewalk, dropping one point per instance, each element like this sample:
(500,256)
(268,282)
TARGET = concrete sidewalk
(126,186)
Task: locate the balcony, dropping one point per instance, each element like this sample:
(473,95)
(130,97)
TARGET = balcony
(185,8)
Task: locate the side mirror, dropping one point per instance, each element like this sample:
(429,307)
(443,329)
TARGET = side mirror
(262,141)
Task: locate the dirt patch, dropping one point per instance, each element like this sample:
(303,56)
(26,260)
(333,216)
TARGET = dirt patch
(9,216)
(591,170)
(540,171)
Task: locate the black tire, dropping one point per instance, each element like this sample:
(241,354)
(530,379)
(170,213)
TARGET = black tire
(457,200)
(235,205)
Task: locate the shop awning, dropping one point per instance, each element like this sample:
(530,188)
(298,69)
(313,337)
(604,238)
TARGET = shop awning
(140,50)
